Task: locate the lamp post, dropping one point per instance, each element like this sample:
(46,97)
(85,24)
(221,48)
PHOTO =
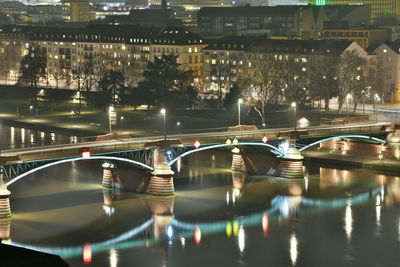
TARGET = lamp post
(122,119)
(178,125)
(110,113)
(294,106)
(240,101)
(163,112)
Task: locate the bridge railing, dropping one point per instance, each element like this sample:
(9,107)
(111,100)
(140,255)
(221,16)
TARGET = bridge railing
(122,145)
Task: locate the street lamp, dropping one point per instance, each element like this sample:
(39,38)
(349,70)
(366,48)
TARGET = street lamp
(294,106)
(178,124)
(122,119)
(163,112)
(240,101)
(110,113)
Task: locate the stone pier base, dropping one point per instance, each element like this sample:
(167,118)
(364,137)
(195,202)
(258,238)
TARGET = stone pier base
(291,165)
(161,182)
(238,163)
(108,173)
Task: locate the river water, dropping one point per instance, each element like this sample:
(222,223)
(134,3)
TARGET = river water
(18,137)
(334,217)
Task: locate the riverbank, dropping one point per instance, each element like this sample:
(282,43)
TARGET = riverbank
(389,166)
(49,128)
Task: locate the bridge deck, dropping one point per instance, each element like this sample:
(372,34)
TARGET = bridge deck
(72,150)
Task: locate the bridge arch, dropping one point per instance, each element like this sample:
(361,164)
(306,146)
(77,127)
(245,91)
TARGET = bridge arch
(355,136)
(77,159)
(273,149)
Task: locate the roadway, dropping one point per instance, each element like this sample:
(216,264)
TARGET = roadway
(96,147)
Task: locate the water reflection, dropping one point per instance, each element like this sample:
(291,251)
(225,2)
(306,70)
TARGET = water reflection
(293,249)
(197,217)
(14,137)
(113,257)
(348,221)
(241,237)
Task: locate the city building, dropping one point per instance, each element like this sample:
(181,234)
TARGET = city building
(382,11)
(232,58)
(364,37)
(270,21)
(76,10)
(388,61)
(70,51)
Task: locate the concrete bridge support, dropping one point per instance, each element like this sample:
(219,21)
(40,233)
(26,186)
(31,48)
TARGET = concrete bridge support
(108,175)
(5,211)
(292,164)
(158,157)
(238,163)
(161,182)
(5,227)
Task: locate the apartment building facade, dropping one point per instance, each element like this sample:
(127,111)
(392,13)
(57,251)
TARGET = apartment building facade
(73,52)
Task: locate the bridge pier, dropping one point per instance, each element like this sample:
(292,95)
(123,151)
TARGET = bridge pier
(158,156)
(5,211)
(108,175)
(291,165)
(161,182)
(238,163)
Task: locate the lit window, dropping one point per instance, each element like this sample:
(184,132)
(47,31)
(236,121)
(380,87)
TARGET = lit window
(384,51)
(190,50)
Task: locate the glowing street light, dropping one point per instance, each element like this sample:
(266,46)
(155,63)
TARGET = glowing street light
(110,117)
(122,119)
(240,101)
(163,113)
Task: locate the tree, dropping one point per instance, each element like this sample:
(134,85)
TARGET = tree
(261,82)
(57,76)
(67,76)
(137,96)
(166,81)
(110,84)
(296,80)
(233,96)
(350,70)
(32,69)
(221,77)
(323,80)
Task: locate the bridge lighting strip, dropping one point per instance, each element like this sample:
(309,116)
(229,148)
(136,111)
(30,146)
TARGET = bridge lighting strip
(273,149)
(77,159)
(344,136)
